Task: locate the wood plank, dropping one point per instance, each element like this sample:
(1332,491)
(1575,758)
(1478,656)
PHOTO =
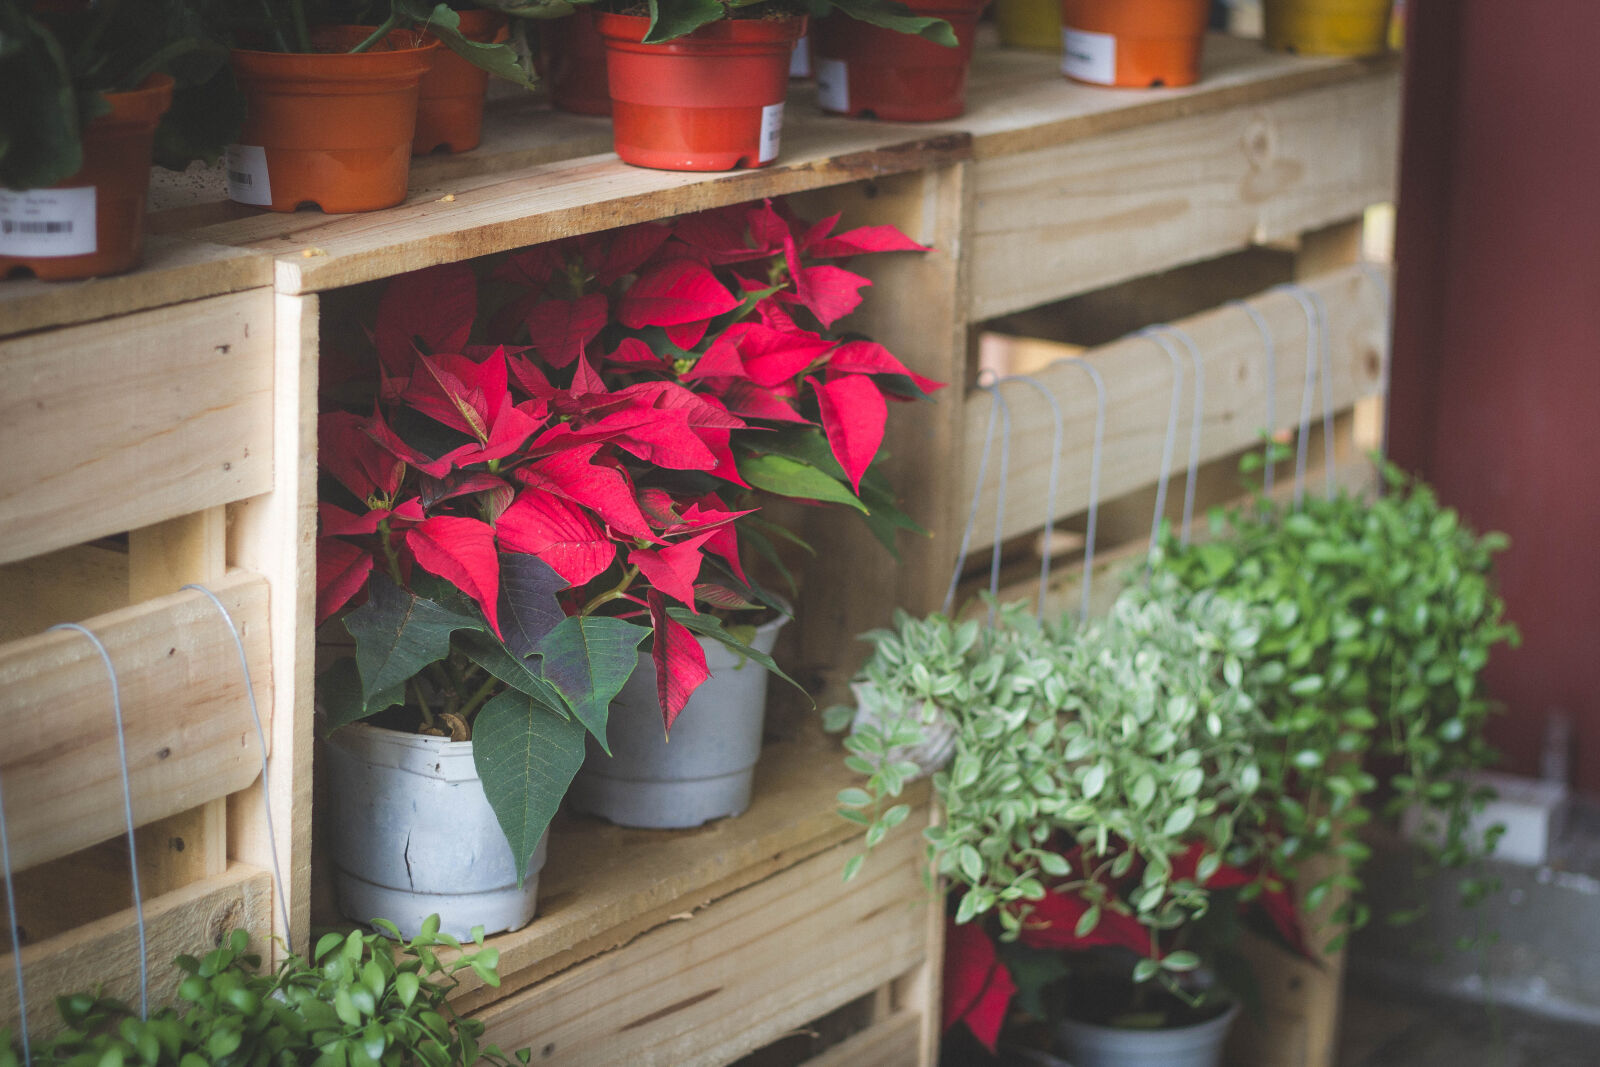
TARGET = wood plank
(889,1043)
(276,535)
(175,270)
(1068,218)
(715,985)
(1138,377)
(64,586)
(605,885)
(124,423)
(105,953)
(189,734)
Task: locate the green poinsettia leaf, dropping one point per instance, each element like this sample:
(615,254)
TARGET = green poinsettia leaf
(787,477)
(895,16)
(527,757)
(39,125)
(678,17)
(587,659)
(710,626)
(522,675)
(398,633)
(500,60)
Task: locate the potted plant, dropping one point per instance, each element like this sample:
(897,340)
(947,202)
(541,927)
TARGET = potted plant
(450,98)
(873,71)
(1379,617)
(1326,27)
(573,63)
(700,86)
(357,999)
(332,107)
(1105,812)
(1133,43)
(88,90)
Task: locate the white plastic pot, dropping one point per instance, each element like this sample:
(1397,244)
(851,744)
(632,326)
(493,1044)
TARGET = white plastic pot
(705,770)
(1200,1045)
(413,835)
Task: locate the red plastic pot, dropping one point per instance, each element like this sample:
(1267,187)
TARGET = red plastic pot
(93,222)
(711,100)
(450,97)
(574,62)
(1133,43)
(867,70)
(328,128)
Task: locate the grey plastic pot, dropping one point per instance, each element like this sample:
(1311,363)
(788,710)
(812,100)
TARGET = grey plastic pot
(705,770)
(413,835)
(1200,1045)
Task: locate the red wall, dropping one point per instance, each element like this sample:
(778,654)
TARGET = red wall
(1496,382)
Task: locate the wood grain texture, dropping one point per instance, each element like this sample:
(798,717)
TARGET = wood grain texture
(891,1042)
(188,730)
(64,586)
(731,978)
(275,535)
(1138,377)
(125,423)
(1067,218)
(105,954)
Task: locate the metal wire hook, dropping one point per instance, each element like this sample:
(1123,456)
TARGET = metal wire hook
(1313,372)
(972,512)
(1094,480)
(1055,477)
(1196,424)
(1272,386)
(1172,428)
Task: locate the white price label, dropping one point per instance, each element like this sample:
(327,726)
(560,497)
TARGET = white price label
(44,223)
(248,182)
(1089,57)
(771,132)
(833,85)
(800,58)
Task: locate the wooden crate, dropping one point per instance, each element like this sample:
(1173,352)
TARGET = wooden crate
(167,419)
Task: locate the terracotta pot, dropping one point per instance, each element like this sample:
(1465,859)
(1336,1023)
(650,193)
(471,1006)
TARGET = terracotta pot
(328,128)
(450,98)
(1326,27)
(711,100)
(1133,43)
(867,70)
(1029,23)
(93,222)
(574,62)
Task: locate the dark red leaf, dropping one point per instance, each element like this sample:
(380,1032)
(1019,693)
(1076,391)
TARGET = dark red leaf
(830,293)
(721,359)
(604,490)
(560,329)
(977,986)
(342,570)
(631,350)
(688,334)
(629,249)
(753,402)
(679,660)
(435,306)
(678,291)
(861,240)
(558,532)
(346,451)
(869,357)
(772,357)
(853,413)
(462,552)
(673,569)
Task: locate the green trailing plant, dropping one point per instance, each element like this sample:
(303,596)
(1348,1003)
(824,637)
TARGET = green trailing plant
(1378,619)
(58,60)
(359,1000)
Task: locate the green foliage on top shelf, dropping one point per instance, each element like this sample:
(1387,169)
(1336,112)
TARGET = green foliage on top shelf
(360,1000)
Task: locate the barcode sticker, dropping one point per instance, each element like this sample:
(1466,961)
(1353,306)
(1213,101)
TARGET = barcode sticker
(1089,57)
(247,175)
(44,223)
(771,131)
(800,58)
(833,85)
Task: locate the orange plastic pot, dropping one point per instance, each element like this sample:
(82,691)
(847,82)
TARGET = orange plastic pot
(575,64)
(93,222)
(328,128)
(1133,43)
(867,70)
(1326,27)
(450,97)
(710,100)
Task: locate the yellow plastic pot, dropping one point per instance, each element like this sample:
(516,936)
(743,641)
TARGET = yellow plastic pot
(1029,23)
(1326,27)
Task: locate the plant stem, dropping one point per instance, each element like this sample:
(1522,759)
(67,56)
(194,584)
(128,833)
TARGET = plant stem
(478,697)
(389,552)
(616,592)
(378,34)
(422,703)
(302,35)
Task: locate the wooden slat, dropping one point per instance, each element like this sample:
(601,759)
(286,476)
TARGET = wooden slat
(1084,214)
(731,978)
(1138,377)
(105,954)
(604,885)
(129,422)
(889,1043)
(190,737)
(73,583)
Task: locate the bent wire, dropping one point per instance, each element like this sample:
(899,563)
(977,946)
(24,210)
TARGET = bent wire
(972,512)
(1271,349)
(1094,480)
(1303,445)
(1316,313)
(261,736)
(127,809)
(1196,423)
(999,496)
(1050,492)
(1168,444)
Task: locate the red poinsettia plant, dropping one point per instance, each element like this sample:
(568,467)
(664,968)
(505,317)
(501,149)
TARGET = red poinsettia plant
(547,481)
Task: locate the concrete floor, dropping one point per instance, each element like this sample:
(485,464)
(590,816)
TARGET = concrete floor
(1384,1028)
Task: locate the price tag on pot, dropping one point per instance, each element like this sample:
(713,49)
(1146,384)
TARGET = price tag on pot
(44,223)
(771,132)
(1090,57)
(833,85)
(247,175)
